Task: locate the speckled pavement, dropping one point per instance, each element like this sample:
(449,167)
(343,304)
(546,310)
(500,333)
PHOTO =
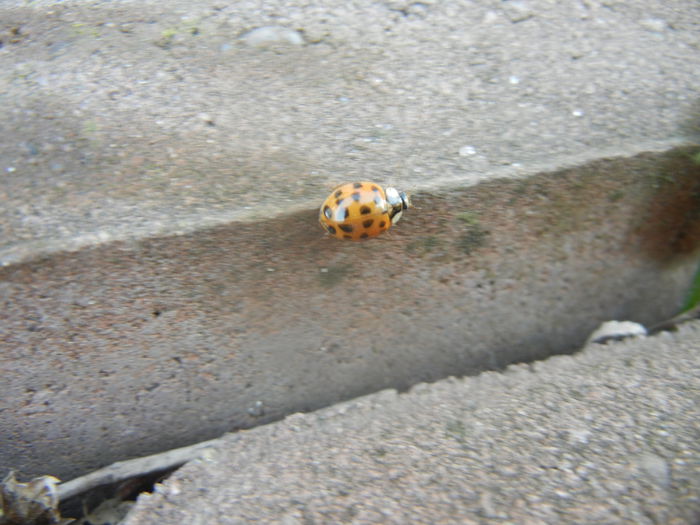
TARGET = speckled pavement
(163,276)
(138,118)
(609,435)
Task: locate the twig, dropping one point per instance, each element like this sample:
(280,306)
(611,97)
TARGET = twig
(122,470)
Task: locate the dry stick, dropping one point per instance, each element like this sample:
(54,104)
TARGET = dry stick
(122,470)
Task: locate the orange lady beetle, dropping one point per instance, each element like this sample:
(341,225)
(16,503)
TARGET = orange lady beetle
(358,210)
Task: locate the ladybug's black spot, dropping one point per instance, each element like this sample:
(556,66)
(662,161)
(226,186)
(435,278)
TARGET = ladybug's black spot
(356,196)
(382,224)
(346,236)
(338,201)
(368,223)
(364,210)
(330,229)
(347,228)
(347,213)
(364,235)
(327,212)
(338,193)
(374,188)
(357,185)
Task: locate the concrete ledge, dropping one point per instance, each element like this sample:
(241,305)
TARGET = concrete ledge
(606,436)
(129,120)
(182,160)
(130,348)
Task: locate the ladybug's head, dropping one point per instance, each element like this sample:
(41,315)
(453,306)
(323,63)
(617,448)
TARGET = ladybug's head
(398,201)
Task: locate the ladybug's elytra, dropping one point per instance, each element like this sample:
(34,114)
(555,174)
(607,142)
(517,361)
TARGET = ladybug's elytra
(358,210)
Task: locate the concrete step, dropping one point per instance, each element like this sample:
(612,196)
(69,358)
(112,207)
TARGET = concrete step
(606,436)
(127,120)
(164,277)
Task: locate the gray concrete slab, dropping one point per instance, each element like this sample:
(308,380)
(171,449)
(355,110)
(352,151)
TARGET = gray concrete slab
(123,120)
(127,349)
(201,150)
(609,435)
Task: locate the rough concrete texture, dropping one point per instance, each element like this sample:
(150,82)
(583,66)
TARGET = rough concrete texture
(609,435)
(125,120)
(126,349)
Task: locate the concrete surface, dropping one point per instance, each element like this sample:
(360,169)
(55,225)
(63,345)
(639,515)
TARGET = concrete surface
(164,277)
(128,119)
(127,349)
(609,435)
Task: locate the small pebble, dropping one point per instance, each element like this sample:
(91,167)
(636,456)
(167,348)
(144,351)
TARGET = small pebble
(654,24)
(271,35)
(655,467)
(257,409)
(616,331)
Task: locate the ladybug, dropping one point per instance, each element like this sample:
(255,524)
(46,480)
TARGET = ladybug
(358,210)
